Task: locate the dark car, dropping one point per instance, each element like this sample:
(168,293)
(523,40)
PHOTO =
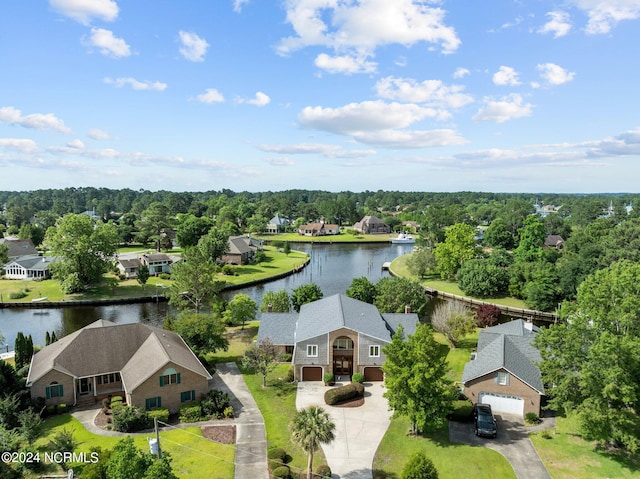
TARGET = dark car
(484,422)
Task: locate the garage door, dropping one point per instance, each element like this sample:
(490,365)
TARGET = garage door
(312,373)
(373,374)
(502,403)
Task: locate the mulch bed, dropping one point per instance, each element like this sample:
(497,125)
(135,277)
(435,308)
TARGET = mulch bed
(220,434)
(355,402)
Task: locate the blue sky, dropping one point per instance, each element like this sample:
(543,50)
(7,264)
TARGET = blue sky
(257,95)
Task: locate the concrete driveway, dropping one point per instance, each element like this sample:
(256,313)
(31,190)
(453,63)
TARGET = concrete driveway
(359,430)
(512,442)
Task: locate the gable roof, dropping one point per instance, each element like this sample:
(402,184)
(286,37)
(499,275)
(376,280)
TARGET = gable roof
(279,220)
(507,346)
(136,350)
(19,247)
(32,262)
(332,313)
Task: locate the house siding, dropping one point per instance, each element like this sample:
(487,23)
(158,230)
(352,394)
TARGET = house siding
(486,383)
(363,352)
(38,388)
(170,393)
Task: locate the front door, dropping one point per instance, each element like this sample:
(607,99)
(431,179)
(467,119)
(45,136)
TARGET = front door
(84,386)
(342,365)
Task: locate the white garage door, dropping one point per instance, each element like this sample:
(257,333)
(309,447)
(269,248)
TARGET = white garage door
(504,404)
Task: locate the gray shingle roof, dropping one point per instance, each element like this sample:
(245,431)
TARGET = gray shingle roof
(19,247)
(507,346)
(136,350)
(278,327)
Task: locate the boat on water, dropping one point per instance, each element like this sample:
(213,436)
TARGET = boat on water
(403,238)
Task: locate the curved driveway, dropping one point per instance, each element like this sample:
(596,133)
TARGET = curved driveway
(359,430)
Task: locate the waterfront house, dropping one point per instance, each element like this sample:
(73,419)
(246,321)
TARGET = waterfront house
(19,247)
(337,334)
(318,229)
(504,371)
(29,267)
(277,224)
(148,366)
(242,250)
(372,225)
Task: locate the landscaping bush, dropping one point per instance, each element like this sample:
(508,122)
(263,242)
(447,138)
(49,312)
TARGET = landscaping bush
(419,467)
(286,358)
(130,419)
(117,399)
(17,295)
(62,408)
(277,458)
(532,418)
(229,412)
(357,378)
(214,403)
(51,409)
(228,270)
(164,276)
(161,413)
(190,412)
(282,472)
(290,375)
(343,393)
(323,471)
(329,379)
(462,411)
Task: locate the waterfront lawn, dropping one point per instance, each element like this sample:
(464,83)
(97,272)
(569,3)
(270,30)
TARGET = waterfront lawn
(341,238)
(567,456)
(193,456)
(275,263)
(239,340)
(452,460)
(458,357)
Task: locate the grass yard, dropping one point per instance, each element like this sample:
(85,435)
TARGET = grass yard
(567,456)
(452,460)
(276,263)
(459,356)
(193,456)
(239,340)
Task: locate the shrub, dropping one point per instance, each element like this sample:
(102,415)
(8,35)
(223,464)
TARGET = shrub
(343,393)
(229,412)
(328,378)
(161,413)
(106,402)
(462,410)
(323,471)
(62,408)
(282,472)
(419,467)
(130,419)
(228,270)
(290,375)
(277,453)
(357,378)
(532,418)
(17,295)
(214,403)
(164,276)
(190,412)
(117,399)
(51,409)
(286,358)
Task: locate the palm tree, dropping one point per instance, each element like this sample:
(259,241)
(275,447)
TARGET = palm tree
(309,428)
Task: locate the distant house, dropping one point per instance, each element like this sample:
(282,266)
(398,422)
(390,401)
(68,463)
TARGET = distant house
(19,247)
(277,224)
(554,241)
(242,250)
(545,210)
(318,229)
(129,267)
(414,226)
(504,371)
(157,263)
(372,225)
(91,214)
(29,267)
(337,334)
(150,367)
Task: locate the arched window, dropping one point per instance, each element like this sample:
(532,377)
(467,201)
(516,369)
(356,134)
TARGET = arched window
(54,390)
(169,376)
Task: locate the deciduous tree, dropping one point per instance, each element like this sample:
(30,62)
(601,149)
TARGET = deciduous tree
(240,310)
(204,333)
(307,293)
(459,246)
(394,294)
(278,301)
(422,263)
(262,357)
(362,289)
(454,320)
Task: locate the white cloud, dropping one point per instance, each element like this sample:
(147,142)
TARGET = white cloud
(238,4)
(344,64)
(280,161)
(211,95)
(328,151)
(37,121)
(97,134)
(554,74)
(366,25)
(606,14)
(261,99)
(23,145)
(559,24)
(108,44)
(83,11)
(506,76)
(136,84)
(411,138)
(504,109)
(430,92)
(461,72)
(193,47)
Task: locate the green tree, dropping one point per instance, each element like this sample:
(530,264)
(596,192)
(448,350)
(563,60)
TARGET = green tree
(160,468)
(454,320)
(307,293)
(240,310)
(152,221)
(278,301)
(422,263)
(394,294)
(416,379)
(82,248)
(191,228)
(310,428)
(419,467)
(459,246)
(9,381)
(204,333)
(143,275)
(127,461)
(262,357)
(31,425)
(498,235)
(9,409)
(23,350)
(214,244)
(194,285)
(482,278)
(532,237)
(362,289)
(4,254)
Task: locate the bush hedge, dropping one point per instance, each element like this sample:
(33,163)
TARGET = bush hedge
(190,412)
(282,472)
(323,471)
(161,413)
(130,419)
(343,393)
(357,378)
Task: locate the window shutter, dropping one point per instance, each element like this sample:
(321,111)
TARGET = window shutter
(178,376)
(159,402)
(161,381)
(61,390)
(193,394)
(48,392)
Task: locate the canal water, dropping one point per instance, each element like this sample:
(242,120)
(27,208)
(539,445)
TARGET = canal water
(332,268)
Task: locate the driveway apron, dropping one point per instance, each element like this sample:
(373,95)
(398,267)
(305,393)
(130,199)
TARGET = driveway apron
(359,430)
(512,442)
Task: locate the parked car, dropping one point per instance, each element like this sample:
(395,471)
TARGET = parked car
(484,422)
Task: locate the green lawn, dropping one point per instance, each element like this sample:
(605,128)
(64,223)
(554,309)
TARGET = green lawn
(239,340)
(193,456)
(567,456)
